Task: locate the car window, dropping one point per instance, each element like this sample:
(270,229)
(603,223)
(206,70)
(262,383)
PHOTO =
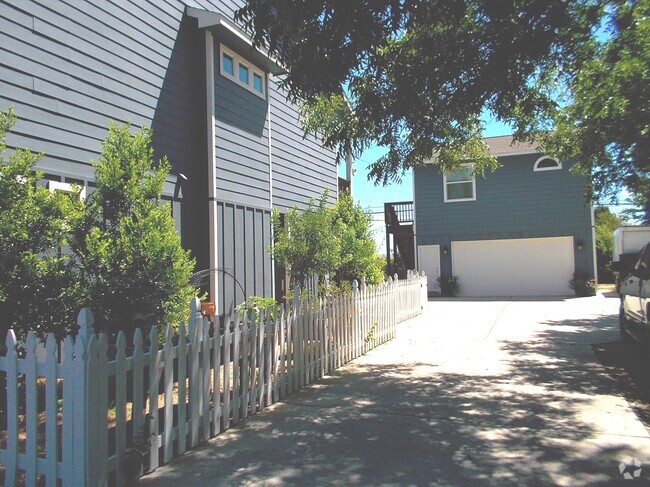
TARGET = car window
(643,262)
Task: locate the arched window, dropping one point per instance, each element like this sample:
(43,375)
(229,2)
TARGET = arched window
(547,163)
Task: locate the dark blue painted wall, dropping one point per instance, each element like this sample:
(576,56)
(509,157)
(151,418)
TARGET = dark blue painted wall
(512,202)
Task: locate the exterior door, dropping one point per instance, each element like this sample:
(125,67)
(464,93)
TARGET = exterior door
(429,262)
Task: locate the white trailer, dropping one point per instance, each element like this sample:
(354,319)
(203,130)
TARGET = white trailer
(628,240)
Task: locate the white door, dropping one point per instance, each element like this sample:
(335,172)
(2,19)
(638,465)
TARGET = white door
(517,267)
(429,262)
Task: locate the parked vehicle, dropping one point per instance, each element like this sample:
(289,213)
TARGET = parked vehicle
(634,289)
(628,241)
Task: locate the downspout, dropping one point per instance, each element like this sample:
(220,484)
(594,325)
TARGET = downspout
(348,170)
(212,166)
(268,95)
(593,239)
(416,257)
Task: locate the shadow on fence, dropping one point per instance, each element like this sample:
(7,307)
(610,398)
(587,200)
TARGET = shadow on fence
(75,414)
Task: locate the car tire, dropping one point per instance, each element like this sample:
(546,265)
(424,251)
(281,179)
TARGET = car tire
(622,326)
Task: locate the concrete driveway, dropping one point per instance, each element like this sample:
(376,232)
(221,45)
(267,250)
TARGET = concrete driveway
(473,392)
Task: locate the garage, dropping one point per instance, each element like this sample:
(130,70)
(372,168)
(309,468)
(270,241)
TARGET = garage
(514,267)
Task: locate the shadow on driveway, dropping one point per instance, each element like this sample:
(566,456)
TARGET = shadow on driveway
(539,411)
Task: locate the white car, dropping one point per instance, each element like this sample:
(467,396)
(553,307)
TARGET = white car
(634,290)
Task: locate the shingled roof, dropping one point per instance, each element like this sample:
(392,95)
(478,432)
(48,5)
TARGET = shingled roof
(504,146)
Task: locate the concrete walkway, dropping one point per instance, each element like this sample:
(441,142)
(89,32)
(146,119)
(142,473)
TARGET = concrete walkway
(503,392)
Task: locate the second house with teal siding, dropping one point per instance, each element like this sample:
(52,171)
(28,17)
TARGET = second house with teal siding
(524,230)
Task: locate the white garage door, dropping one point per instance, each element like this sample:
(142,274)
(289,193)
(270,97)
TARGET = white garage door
(519,267)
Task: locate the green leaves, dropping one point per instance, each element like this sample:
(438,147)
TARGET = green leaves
(117,252)
(39,289)
(134,270)
(605,128)
(420,74)
(326,240)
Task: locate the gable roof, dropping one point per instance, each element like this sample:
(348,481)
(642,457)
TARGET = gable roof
(503,145)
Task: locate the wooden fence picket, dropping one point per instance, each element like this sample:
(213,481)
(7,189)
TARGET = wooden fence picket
(216,380)
(137,410)
(51,406)
(227,340)
(120,402)
(182,389)
(154,378)
(236,334)
(11,368)
(245,367)
(31,433)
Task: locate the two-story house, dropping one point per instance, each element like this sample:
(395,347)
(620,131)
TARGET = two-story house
(524,229)
(183,68)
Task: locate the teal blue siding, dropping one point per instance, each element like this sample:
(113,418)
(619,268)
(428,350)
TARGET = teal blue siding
(512,202)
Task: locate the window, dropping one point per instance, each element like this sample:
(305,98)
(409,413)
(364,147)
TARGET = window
(460,185)
(546,163)
(243,74)
(246,74)
(68,187)
(257,82)
(228,64)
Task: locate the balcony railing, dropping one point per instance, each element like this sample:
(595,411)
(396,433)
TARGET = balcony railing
(398,213)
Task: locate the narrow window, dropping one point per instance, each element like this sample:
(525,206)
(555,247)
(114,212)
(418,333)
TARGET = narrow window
(243,74)
(257,82)
(241,71)
(546,163)
(460,185)
(228,64)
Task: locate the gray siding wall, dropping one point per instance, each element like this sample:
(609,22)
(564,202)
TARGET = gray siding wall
(512,202)
(302,169)
(70,67)
(242,143)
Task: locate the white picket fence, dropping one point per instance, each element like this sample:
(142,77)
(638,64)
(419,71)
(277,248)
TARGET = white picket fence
(76,414)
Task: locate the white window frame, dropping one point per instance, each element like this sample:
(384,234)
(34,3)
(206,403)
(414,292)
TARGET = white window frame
(67,188)
(460,200)
(536,167)
(240,61)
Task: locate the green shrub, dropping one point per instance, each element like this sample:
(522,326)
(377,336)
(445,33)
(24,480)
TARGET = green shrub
(582,286)
(39,284)
(449,285)
(255,305)
(134,271)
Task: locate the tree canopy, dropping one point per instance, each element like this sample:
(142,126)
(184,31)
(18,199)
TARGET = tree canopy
(605,126)
(325,240)
(416,76)
(39,286)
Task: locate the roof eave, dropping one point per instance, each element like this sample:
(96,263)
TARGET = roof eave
(230,34)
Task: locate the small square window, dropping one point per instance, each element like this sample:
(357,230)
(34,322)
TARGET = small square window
(257,82)
(228,64)
(460,185)
(243,74)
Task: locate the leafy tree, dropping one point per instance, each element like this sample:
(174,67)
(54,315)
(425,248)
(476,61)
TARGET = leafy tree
(605,126)
(325,240)
(306,244)
(357,246)
(606,223)
(133,268)
(420,73)
(39,287)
